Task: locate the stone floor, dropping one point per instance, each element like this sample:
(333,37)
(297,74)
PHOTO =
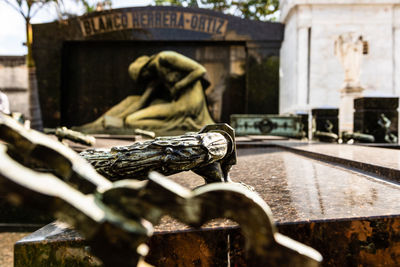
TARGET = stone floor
(7,241)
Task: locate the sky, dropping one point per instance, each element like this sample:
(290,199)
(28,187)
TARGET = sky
(12,24)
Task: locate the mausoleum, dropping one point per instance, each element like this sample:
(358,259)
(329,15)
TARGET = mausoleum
(311,75)
(82,63)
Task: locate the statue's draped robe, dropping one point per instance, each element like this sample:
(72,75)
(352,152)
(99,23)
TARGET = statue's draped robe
(165,107)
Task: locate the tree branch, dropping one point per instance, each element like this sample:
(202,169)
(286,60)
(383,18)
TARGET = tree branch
(37,9)
(19,10)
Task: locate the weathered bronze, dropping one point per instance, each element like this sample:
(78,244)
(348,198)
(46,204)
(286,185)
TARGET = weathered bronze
(65,133)
(116,218)
(267,124)
(327,135)
(173,100)
(357,137)
(209,153)
(385,131)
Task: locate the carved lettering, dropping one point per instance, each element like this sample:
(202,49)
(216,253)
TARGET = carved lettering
(220,24)
(135,20)
(213,23)
(143,19)
(158,19)
(93,27)
(109,23)
(181,23)
(173,20)
(209,20)
(193,22)
(150,19)
(124,21)
(202,23)
(102,27)
(86,26)
(116,21)
(165,19)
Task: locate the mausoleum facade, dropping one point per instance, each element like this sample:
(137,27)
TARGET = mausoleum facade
(311,75)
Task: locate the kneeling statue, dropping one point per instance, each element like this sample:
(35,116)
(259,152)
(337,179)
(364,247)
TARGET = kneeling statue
(173,100)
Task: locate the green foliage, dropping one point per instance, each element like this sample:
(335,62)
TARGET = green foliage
(184,3)
(95,6)
(249,9)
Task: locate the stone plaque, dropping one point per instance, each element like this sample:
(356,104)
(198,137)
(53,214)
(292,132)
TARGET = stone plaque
(146,19)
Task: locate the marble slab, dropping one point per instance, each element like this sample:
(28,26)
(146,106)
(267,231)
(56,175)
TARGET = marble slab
(351,216)
(381,162)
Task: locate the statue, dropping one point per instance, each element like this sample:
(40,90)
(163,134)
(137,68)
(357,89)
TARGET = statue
(384,133)
(117,218)
(209,153)
(349,50)
(173,100)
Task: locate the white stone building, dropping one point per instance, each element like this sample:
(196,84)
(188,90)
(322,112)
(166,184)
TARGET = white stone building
(14,83)
(311,75)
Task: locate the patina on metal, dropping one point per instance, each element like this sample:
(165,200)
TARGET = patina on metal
(173,99)
(209,153)
(385,131)
(357,137)
(75,136)
(116,218)
(327,135)
(267,124)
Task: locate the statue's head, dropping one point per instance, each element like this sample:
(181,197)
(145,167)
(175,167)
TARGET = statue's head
(136,67)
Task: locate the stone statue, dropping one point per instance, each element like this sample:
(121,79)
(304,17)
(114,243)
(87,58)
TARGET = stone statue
(384,133)
(117,218)
(173,100)
(349,50)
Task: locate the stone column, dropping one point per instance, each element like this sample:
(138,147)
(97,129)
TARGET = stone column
(302,67)
(303,31)
(346,107)
(396,53)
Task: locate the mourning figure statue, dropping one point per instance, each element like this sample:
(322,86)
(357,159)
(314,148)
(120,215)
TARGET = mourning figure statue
(173,100)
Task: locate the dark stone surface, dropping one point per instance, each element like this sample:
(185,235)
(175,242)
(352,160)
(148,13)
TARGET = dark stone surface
(208,247)
(53,245)
(322,115)
(325,112)
(391,103)
(382,163)
(81,75)
(368,111)
(351,217)
(357,242)
(350,242)
(21,219)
